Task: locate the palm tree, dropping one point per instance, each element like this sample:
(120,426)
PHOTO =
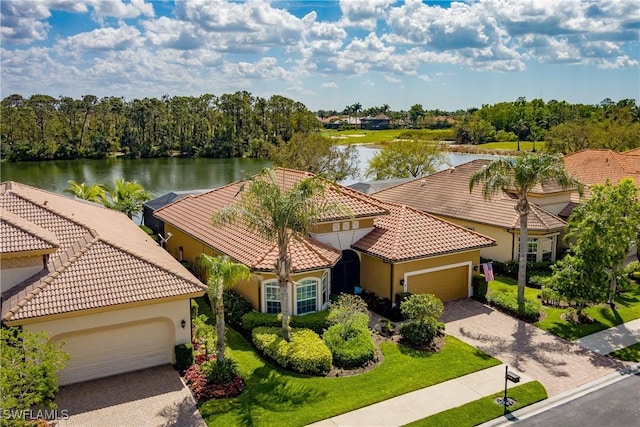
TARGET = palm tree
(93,193)
(521,174)
(221,273)
(128,197)
(280,214)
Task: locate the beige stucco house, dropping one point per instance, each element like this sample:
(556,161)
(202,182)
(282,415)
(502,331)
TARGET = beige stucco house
(382,247)
(90,278)
(446,195)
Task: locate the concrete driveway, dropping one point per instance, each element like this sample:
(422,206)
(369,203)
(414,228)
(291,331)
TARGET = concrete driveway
(151,397)
(558,364)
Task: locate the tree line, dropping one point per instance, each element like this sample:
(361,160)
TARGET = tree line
(564,127)
(42,127)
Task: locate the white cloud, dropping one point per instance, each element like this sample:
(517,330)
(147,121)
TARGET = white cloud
(101,39)
(120,10)
(329,85)
(363,13)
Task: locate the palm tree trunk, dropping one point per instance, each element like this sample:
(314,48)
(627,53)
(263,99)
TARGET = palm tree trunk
(220,323)
(522,259)
(283,270)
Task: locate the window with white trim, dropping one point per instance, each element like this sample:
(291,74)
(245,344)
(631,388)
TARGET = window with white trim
(271,297)
(548,245)
(325,290)
(306,296)
(532,250)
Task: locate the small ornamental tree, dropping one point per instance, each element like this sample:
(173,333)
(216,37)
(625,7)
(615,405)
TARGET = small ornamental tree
(29,369)
(349,311)
(422,312)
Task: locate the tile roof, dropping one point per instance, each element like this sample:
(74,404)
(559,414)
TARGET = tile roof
(447,194)
(595,166)
(192,215)
(103,258)
(408,233)
(19,235)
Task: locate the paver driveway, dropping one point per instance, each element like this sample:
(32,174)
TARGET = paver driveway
(151,397)
(558,364)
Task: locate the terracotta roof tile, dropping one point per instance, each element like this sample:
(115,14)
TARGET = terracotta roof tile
(192,215)
(447,194)
(408,233)
(18,235)
(595,166)
(125,256)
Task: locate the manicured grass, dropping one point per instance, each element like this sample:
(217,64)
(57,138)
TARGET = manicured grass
(627,308)
(485,409)
(512,146)
(277,397)
(360,136)
(631,353)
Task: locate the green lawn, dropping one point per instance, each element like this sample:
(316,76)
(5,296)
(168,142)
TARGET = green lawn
(631,353)
(360,136)
(485,409)
(278,397)
(512,146)
(627,308)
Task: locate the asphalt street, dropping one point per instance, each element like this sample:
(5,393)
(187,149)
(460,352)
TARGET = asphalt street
(616,405)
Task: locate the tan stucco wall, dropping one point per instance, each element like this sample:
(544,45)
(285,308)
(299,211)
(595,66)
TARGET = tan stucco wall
(504,239)
(172,311)
(15,270)
(330,227)
(376,276)
(553,203)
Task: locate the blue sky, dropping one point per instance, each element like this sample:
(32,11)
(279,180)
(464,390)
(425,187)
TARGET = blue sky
(325,54)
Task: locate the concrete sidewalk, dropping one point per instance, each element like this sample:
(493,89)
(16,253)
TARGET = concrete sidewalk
(422,403)
(612,339)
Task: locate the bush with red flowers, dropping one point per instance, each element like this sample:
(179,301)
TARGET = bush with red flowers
(228,384)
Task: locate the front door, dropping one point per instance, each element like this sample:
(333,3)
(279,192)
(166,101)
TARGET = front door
(345,276)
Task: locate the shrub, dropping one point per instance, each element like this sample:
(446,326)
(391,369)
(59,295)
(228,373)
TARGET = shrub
(401,296)
(420,334)
(354,351)
(305,353)
(203,389)
(350,312)
(253,320)
(184,356)
(235,306)
(317,322)
(480,287)
(422,307)
(382,306)
(548,296)
(220,371)
(204,333)
(508,302)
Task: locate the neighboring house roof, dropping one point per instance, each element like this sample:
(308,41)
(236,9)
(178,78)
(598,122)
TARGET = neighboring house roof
(447,194)
(596,166)
(369,187)
(103,258)
(408,233)
(171,197)
(19,235)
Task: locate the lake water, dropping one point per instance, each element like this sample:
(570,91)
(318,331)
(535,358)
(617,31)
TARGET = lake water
(161,176)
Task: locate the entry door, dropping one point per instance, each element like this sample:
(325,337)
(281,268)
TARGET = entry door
(346,273)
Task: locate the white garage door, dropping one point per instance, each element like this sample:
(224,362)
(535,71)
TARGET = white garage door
(103,352)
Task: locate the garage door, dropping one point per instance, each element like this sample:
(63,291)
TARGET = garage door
(109,351)
(448,284)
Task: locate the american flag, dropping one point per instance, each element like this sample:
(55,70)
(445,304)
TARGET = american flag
(487,268)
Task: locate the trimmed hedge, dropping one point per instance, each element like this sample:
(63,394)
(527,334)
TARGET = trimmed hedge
(480,287)
(235,306)
(355,351)
(508,302)
(305,353)
(317,322)
(421,334)
(184,356)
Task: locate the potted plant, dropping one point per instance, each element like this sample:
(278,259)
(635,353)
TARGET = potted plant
(387,328)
